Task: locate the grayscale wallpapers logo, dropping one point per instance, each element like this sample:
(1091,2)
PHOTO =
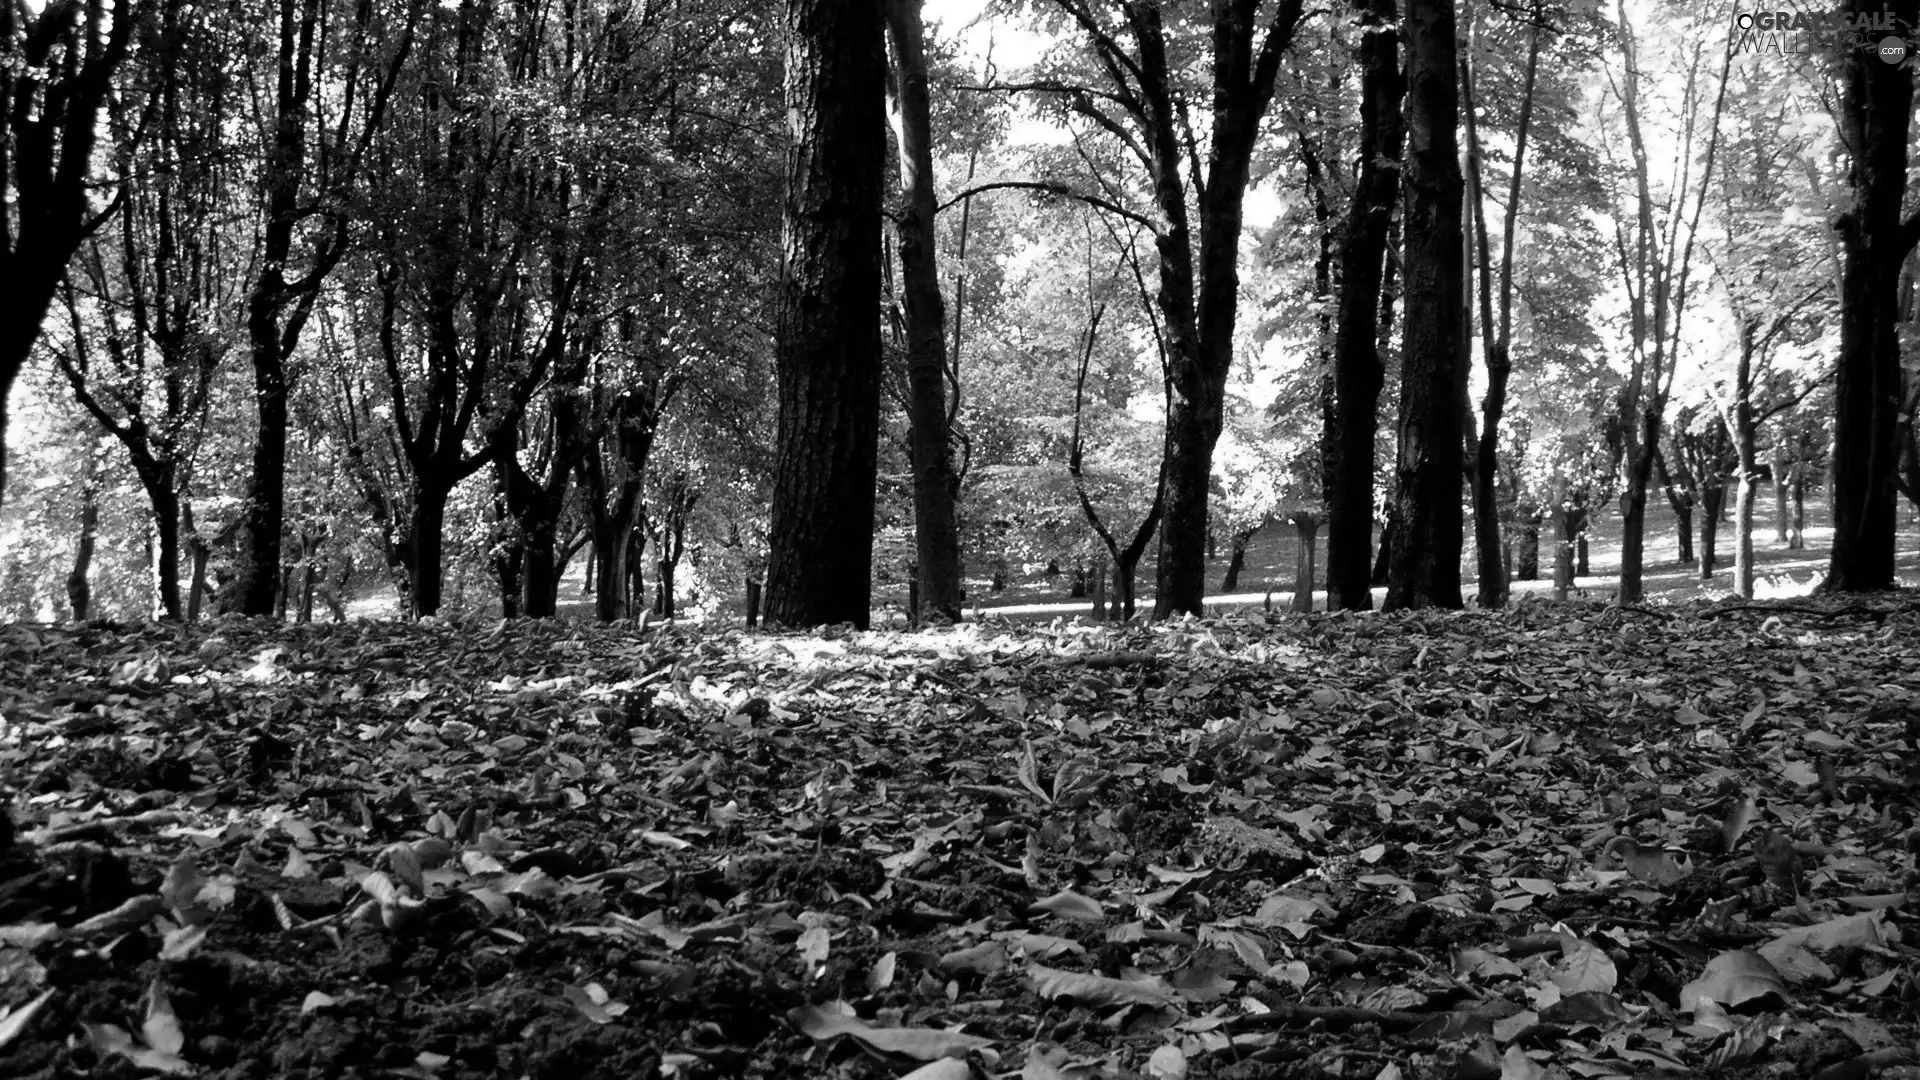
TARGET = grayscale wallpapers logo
(1795,32)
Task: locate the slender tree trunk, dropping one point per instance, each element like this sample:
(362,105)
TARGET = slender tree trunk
(1713,502)
(79,582)
(1359,373)
(1779,494)
(1876,111)
(1564,519)
(1237,557)
(936,533)
(828,354)
(1425,570)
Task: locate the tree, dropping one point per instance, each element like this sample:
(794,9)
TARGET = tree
(1425,566)
(936,533)
(57,66)
(1141,98)
(828,353)
(1496,337)
(1876,110)
(1359,373)
(328,83)
(148,296)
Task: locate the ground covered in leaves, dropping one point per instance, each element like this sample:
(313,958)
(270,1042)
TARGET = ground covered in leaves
(1560,841)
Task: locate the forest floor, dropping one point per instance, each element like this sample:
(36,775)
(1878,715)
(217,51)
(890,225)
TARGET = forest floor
(1562,840)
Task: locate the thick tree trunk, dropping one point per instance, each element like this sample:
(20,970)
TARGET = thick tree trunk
(426,533)
(1876,111)
(828,355)
(936,532)
(1306,526)
(1425,570)
(1358,372)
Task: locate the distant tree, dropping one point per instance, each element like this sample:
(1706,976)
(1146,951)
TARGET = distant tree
(326,83)
(828,356)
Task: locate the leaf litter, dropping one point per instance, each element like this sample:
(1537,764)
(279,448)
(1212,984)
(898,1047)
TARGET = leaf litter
(1558,841)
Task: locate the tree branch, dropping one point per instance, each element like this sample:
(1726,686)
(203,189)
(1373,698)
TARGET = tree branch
(1052,188)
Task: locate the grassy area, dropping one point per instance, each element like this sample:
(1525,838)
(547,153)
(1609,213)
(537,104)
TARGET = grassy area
(1270,565)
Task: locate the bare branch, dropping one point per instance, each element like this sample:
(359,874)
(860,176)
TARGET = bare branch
(1052,188)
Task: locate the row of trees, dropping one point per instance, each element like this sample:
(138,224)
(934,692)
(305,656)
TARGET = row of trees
(514,283)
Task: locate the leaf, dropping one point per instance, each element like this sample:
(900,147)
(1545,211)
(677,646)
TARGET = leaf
(824,1022)
(591,1001)
(880,975)
(161,1028)
(1167,1063)
(814,944)
(1053,983)
(1732,979)
(1070,905)
(316,1000)
(982,959)
(944,1069)
(15,1021)
(1583,967)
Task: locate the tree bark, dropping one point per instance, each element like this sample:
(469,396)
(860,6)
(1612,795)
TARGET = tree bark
(1425,568)
(828,353)
(936,531)
(1876,111)
(1306,526)
(1359,374)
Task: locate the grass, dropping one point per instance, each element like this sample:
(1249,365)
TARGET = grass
(1269,570)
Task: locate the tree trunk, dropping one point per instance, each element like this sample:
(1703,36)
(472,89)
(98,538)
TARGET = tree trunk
(79,584)
(1797,526)
(828,353)
(1564,518)
(1779,494)
(1743,501)
(1529,568)
(1425,570)
(1496,342)
(1306,526)
(936,534)
(1383,555)
(1237,557)
(1876,111)
(1713,502)
(1099,587)
(426,532)
(1358,372)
